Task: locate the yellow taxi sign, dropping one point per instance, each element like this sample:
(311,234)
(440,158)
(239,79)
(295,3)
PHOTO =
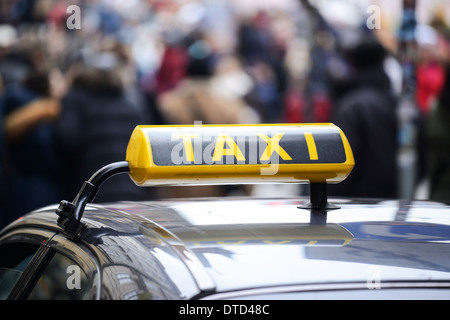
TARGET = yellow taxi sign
(221,154)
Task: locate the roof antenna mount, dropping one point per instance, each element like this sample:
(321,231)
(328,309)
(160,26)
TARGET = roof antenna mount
(70,213)
(318,205)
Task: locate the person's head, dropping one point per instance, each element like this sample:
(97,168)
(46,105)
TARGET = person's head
(366,54)
(99,72)
(199,63)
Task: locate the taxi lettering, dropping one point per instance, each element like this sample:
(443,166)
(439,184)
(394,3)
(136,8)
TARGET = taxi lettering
(187,143)
(221,154)
(231,150)
(255,149)
(273,145)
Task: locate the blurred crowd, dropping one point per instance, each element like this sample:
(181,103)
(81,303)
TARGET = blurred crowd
(70,97)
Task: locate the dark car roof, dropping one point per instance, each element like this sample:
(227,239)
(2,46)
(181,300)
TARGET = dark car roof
(235,244)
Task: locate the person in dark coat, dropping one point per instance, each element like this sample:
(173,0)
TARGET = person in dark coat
(366,112)
(438,138)
(29,106)
(31,162)
(96,122)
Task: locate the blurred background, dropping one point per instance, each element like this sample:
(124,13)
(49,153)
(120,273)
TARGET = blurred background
(77,76)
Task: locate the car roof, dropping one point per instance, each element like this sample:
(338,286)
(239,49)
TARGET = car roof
(230,244)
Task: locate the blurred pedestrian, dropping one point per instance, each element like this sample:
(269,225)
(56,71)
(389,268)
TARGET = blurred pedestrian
(30,161)
(213,93)
(263,55)
(366,112)
(207,94)
(429,71)
(96,121)
(438,138)
(172,69)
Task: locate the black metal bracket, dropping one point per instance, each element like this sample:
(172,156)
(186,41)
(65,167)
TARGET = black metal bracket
(319,205)
(70,213)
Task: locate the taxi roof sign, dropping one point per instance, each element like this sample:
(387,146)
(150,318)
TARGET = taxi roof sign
(219,154)
(230,154)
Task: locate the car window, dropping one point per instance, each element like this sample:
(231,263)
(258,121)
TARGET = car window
(13,260)
(62,279)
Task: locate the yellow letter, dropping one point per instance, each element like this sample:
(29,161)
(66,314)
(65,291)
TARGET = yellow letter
(273,144)
(233,149)
(311,146)
(187,140)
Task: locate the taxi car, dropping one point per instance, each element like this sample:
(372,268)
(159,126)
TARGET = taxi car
(230,248)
